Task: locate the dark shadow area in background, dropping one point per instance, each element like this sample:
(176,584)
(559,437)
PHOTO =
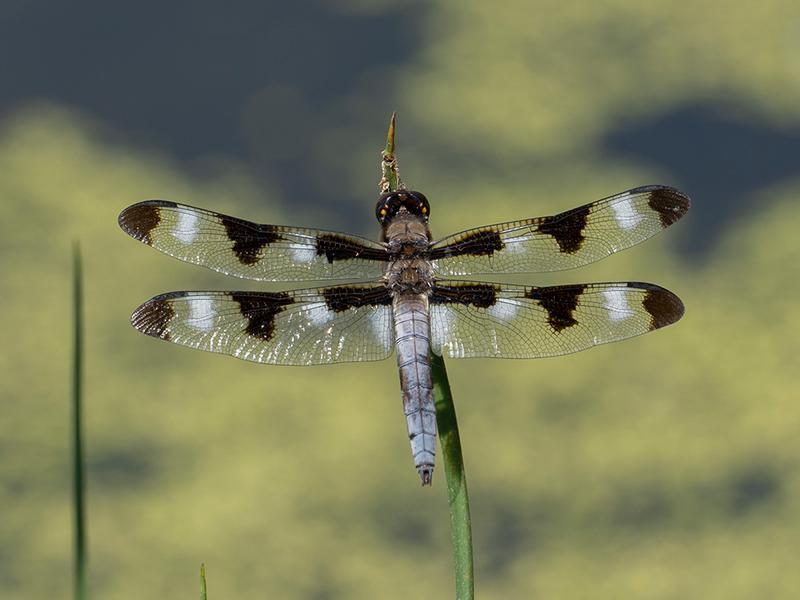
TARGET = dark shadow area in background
(181,76)
(720,159)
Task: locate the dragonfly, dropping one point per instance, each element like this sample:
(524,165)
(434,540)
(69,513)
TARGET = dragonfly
(408,292)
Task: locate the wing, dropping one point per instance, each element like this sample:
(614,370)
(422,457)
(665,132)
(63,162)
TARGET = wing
(565,241)
(303,327)
(249,250)
(471,319)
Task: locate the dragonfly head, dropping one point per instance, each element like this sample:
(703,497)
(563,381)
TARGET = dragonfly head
(390,203)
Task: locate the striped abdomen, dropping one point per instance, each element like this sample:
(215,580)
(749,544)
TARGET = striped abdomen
(412,340)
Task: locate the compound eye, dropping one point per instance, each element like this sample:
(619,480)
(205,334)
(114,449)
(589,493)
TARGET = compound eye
(383,208)
(422,206)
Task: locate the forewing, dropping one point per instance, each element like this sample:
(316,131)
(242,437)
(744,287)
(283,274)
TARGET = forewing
(564,241)
(472,319)
(249,250)
(302,327)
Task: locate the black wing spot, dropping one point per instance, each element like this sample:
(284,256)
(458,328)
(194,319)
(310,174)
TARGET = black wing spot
(479,243)
(249,239)
(139,220)
(339,299)
(669,203)
(469,294)
(566,228)
(560,303)
(338,247)
(154,316)
(664,307)
(260,311)
(335,247)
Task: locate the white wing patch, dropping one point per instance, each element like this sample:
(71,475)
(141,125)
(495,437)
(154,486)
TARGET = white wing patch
(187,227)
(319,314)
(380,320)
(616,303)
(443,323)
(303,254)
(516,245)
(201,313)
(626,214)
(504,310)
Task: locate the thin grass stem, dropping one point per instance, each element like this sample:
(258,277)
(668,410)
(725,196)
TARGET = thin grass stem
(457,496)
(78,475)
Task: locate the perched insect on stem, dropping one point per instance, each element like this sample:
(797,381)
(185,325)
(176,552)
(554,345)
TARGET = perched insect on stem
(412,299)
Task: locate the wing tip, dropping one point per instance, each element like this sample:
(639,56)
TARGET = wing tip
(670,203)
(154,316)
(140,219)
(663,306)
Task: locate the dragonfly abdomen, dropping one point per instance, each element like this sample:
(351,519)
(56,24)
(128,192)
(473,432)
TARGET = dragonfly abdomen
(412,342)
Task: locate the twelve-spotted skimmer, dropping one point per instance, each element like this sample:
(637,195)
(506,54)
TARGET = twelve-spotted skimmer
(414,302)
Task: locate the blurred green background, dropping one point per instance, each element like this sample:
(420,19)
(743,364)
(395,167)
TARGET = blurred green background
(667,466)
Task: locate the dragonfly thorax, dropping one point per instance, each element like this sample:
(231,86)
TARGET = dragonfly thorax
(410,276)
(408,241)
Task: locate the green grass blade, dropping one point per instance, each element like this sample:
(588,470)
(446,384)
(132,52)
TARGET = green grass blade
(457,497)
(78,476)
(449,439)
(390,175)
(203,582)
